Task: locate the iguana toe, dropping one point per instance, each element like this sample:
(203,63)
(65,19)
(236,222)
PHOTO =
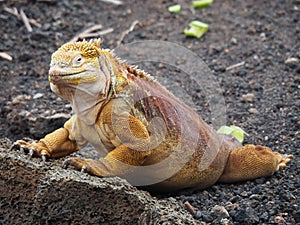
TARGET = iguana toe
(283,160)
(32,149)
(77,162)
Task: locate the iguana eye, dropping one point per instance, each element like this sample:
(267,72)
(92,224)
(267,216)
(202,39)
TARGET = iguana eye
(78,60)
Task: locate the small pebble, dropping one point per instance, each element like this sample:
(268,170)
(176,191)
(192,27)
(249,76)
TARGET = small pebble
(171,199)
(244,194)
(256,57)
(291,61)
(207,218)
(6,56)
(233,41)
(296,216)
(253,111)
(254,197)
(234,199)
(263,36)
(225,221)
(190,199)
(198,215)
(240,215)
(256,190)
(251,30)
(266,138)
(279,219)
(248,97)
(38,95)
(20,98)
(264,217)
(219,211)
(252,217)
(231,206)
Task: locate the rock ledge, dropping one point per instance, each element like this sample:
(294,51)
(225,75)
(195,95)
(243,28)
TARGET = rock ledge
(37,193)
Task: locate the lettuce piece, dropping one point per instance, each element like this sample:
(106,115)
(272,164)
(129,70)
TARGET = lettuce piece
(197,29)
(174,8)
(235,131)
(199,4)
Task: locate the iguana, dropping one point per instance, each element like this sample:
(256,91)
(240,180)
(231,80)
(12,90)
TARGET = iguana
(150,137)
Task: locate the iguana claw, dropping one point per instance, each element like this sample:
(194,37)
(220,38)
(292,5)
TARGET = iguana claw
(83,169)
(283,160)
(31,152)
(15,145)
(79,163)
(32,149)
(43,157)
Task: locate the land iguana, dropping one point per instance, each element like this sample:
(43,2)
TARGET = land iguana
(148,135)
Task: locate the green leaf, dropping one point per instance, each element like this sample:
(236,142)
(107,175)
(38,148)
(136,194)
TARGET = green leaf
(174,8)
(225,130)
(239,129)
(197,29)
(238,135)
(235,131)
(199,4)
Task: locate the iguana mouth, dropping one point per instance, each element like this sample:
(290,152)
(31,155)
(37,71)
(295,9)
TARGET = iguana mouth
(71,74)
(74,77)
(55,72)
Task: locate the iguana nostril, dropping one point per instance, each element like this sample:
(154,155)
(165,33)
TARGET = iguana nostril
(53,71)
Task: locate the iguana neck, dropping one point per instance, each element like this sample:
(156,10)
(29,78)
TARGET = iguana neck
(87,99)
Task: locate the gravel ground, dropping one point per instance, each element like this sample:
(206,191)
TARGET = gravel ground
(261,95)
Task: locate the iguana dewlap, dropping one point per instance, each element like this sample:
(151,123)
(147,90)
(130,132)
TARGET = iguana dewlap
(146,134)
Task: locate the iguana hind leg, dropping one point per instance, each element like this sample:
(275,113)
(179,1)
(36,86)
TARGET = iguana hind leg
(252,161)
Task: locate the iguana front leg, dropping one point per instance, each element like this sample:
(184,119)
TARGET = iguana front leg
(54,145)
(117,162)
(135,144)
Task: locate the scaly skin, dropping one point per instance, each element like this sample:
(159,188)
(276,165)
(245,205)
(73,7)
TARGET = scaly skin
(151,138)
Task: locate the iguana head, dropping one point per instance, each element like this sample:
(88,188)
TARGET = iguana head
(75,62)
(81,73)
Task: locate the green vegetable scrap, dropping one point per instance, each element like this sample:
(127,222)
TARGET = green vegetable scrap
(199,4)
(235,131)
(175,8)
(197,29)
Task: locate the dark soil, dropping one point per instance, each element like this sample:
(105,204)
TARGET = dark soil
(263,34)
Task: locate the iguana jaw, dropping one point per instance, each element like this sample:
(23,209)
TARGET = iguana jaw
(57,71)
(71,75)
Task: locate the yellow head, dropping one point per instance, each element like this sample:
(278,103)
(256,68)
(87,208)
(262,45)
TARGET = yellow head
(81,72)
(75,62)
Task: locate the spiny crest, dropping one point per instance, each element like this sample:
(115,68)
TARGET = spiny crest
(89,49)
(139,73)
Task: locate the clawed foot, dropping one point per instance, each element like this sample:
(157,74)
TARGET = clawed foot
(283,160)
(79,163)
(89,166)
(32,149)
